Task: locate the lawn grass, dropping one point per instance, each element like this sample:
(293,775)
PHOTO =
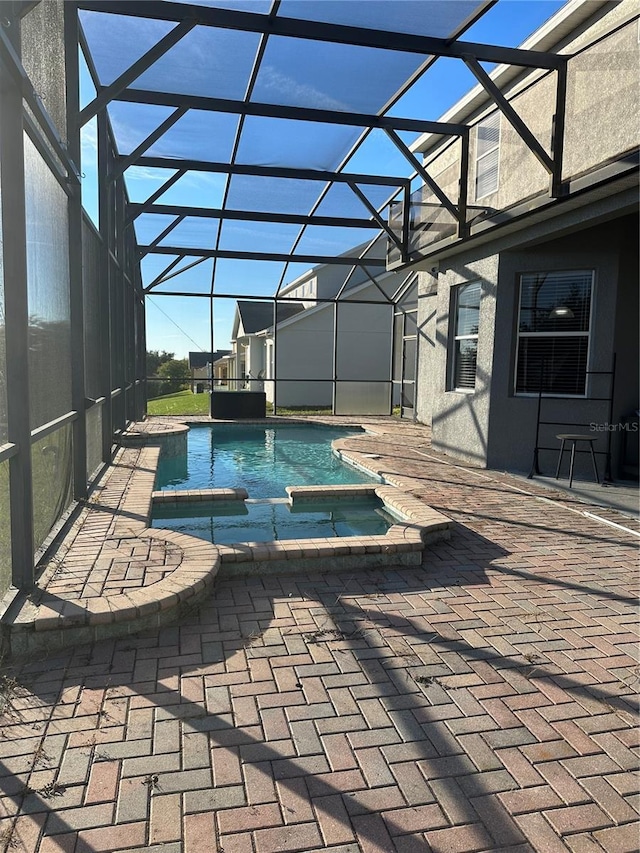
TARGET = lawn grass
(188,403)
(181,403)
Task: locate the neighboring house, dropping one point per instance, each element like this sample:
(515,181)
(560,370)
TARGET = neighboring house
(538,286)
(200,367)
(293,360)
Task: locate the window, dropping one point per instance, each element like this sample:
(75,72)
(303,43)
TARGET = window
(553,332)
(465,342)
(487,155)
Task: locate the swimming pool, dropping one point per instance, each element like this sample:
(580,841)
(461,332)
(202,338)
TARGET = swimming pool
(227,522)
(261,458)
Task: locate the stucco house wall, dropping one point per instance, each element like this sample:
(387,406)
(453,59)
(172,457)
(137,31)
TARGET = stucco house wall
(598,230)
(602,108)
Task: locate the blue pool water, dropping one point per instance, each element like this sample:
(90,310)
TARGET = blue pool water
(260,458)
(227,522)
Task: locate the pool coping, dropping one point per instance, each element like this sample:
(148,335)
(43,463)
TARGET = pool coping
(36,623)
(419,525)
(404,542)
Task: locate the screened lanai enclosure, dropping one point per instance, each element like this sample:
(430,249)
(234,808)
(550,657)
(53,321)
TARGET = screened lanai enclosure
(202,155)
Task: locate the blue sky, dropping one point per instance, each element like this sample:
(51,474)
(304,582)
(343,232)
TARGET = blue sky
(181,325)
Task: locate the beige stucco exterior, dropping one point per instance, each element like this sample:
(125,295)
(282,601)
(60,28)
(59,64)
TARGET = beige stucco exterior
(520,228)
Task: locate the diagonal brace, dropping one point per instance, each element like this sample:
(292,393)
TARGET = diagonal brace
(130,159)
(509,113)
(162,235)
(426,177)
(108,93)
(142,208)
(374,213)
(167,273)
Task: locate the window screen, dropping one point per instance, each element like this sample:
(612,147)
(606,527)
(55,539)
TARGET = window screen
(487,155)
(553,332)
(465,343)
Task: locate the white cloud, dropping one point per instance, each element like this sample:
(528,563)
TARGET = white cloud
(296,94)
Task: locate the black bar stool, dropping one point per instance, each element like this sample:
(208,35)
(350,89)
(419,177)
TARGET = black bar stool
(574,439)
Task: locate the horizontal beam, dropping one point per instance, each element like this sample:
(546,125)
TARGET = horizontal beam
(322,31)
(284,257)
(242,297)
(284,111)
(7,451)
(252,216)
(270,171)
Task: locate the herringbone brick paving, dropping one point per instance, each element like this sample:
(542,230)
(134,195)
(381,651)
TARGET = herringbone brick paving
(96,561)
(484,702)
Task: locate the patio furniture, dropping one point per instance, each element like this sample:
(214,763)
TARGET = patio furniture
(574,439)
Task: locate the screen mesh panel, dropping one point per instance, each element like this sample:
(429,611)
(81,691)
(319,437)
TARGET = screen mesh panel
(260,236)
(52,465)
(325,240)
(5,529)
(272,195)
(207,61)
(3,363)
(199,135)
(363,398)
(42,45)
(132,123)
(364,341)
(256,278)
(115,44)
(94,344)
(191,275)
(94,439)
(331,76)
(193,232)
(48,291)
(303,144)
(433,18)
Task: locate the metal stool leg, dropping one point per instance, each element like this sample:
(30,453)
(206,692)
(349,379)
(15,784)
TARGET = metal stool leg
(571,463)
(593,459)
(560,458)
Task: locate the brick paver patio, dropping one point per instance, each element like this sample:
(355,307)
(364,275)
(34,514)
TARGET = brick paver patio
(485,701)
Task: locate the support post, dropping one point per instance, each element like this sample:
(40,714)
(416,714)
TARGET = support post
(104,214)
(76,295)
(463,189)
(275,357)
(14,242)
(334,383)
(557,188)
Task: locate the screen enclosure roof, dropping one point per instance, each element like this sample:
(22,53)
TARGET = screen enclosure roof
(258,138)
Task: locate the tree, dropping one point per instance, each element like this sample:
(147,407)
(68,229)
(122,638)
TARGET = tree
(155,358)
(176,373)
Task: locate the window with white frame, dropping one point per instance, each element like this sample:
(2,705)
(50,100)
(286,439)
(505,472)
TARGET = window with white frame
(466,311)
(487,155)
(554,322)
